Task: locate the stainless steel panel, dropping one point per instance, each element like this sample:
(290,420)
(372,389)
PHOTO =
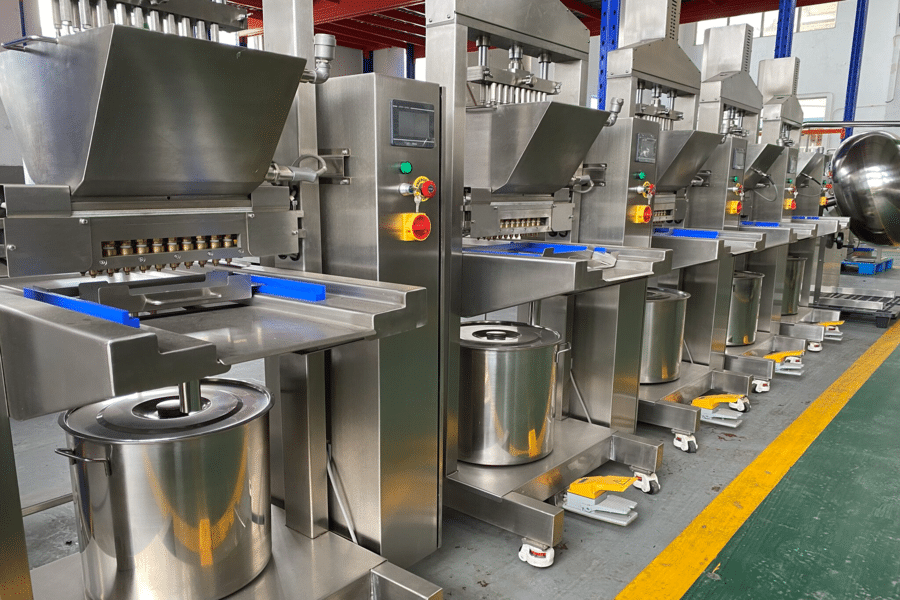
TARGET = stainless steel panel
(707,204)
(520,514)
(754,366)
(581,448)
(650,20)
(760,157)
(708,311)
(508,392)
(745,303)
(687,252)
(866,168)
(221,145)
(793,285)
(636,452)
(190,500)
(671,415)
(661,62)
(390,582)
(727,50)
(532,148)
(385,396)
(681,155)
(294,571)
(772,263)
(663,336)
(779,77)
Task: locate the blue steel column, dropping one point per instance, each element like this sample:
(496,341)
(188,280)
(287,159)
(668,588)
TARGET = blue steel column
(609,41)
(856,51)
(784,38)
(368,61)
(410,61)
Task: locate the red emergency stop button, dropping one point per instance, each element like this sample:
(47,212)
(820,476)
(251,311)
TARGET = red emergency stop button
(413,227)
(640,214)
(428,189)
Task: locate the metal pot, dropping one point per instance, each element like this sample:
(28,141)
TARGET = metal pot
(507,392)
(172,506)
(663,335)
(743,317)
(793,284)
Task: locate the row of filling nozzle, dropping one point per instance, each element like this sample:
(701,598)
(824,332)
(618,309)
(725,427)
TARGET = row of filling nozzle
(519,223)
(70,16)
(166,245)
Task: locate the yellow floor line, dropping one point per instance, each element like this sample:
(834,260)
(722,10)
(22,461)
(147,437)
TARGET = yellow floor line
(674,571)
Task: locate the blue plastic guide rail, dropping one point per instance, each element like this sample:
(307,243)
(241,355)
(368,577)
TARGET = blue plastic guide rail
(805,218)
(527,248)
(760,224)
(107,313)
(686,233)
(286,288)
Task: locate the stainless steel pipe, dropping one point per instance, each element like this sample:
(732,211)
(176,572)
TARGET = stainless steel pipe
(171,505)
(743,317)
(663,338)
(507,392)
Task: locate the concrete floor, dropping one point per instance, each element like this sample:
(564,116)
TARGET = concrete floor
(595,560)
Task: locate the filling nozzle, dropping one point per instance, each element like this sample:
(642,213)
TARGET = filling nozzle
(324,52)
(615,107)
(287,175)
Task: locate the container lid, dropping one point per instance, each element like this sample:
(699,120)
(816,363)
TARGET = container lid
(150,417)
(505,335)
(655,294)
(747,275)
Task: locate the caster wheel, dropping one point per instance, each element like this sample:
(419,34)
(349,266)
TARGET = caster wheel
(692,448)
(654,488)
(761,387)
(814,347)
(649,484)
(536,555)
(741,406)
(685,443)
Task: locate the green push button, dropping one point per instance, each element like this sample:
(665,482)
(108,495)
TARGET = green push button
(406,167)
(640,176)
(736,179)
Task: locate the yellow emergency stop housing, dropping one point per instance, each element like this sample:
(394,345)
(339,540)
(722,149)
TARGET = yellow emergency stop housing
(592,487)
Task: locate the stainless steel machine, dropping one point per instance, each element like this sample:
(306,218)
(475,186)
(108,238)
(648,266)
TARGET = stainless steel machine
(655,159)
(731,104)
(514,137)
(132,285)
(786,196)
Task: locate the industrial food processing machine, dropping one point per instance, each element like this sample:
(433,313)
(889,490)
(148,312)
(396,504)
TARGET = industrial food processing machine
(131,289)
(514,137)
(786,196)
(730,104)
(653,161)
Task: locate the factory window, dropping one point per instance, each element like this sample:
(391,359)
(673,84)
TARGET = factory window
(819,16)
(814,108)
(770,23)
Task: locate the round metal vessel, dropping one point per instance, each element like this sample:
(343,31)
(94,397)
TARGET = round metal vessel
(743,317)
(507,392)
(663,335)
(171,505)
(867,185)
(793,284)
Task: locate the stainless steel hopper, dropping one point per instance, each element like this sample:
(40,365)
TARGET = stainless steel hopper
(147,114)
(759,158)
(681,156)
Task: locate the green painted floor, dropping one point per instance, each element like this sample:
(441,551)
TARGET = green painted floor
(830,530)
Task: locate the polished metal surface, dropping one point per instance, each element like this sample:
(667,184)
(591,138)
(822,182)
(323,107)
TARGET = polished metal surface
(681,155)
(184,495)
(663,337)
(707,205)
(744,314)
(532,148)
(295,571)
(760,158)
(696,380)
(866,170)
(508,397)
(385,395)
(793,285)
(94,359)
(650,20)
(238,98)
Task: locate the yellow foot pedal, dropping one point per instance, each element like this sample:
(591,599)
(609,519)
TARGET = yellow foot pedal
(787,362)
(587,496)
(832,330)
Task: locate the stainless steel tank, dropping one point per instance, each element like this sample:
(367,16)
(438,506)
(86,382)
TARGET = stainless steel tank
(663,335)
(867,185)
(793,285)
(171,505)
(507,392)
(743,317)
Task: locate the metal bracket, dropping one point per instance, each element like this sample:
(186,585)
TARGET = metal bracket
(21,44)
(336,162)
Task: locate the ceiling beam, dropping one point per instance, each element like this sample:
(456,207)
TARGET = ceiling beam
(326,11)
(702,10)
(365,32)
(389,25)
(404,16)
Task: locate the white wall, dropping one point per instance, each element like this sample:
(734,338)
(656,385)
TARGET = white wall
(825,60)
(391,61)
(347,61)
(10,21)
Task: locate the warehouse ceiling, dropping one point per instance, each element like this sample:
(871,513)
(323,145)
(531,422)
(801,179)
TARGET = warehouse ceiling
(377,24)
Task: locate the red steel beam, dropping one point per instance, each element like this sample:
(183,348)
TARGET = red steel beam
(579,7)
(395,39)
(325,11)
(388,25)
(702,10)
(405,16)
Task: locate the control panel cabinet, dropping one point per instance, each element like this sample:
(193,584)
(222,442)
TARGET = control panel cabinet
(381,220)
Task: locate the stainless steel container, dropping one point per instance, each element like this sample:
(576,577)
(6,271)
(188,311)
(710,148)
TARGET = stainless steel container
(172,506)
(743,317)
(793,284)
(663,335)
(507,397)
